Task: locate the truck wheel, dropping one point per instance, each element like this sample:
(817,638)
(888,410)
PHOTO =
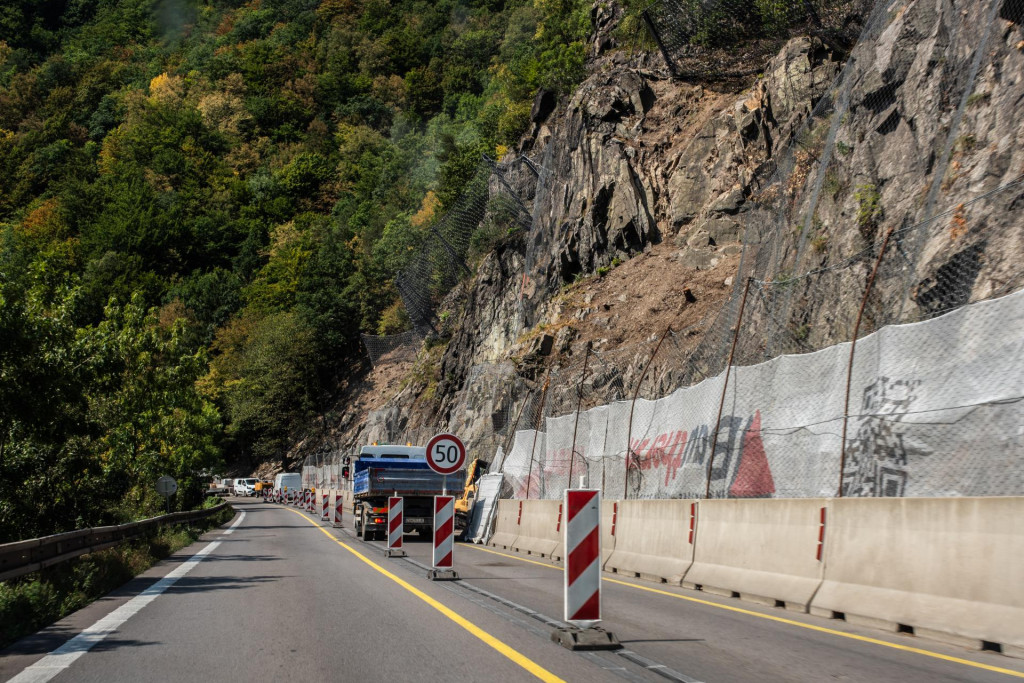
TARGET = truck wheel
(364,533)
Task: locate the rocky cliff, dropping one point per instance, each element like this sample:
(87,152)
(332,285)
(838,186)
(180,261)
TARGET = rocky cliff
(646,188)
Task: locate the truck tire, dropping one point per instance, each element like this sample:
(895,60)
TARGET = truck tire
(364,533)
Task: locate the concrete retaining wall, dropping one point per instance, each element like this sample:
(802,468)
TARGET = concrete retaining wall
(506,524)
(764,550)
(652,540)
(539,529)
(952,568)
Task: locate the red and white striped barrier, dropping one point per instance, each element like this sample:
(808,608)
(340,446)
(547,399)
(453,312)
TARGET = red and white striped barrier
(583,557)
(324,498)
(339,504)
(396,526)
(444,531)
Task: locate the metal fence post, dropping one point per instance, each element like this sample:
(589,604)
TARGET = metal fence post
(536,430)
(725,386)
(853,349)
(579,404)
(629,430)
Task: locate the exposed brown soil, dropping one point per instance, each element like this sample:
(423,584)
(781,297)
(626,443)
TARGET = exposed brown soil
(639,299)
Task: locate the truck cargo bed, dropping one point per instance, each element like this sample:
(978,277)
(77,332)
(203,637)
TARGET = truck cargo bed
(375,482)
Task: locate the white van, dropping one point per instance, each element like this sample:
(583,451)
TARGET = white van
(288,482)
(245,487)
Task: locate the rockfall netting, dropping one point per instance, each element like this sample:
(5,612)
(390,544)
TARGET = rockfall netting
(714,39)
(873,342)
(487,209)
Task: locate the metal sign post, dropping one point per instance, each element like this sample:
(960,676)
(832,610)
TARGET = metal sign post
(446,454)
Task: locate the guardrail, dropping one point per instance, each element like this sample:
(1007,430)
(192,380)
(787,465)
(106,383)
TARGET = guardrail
(22,557)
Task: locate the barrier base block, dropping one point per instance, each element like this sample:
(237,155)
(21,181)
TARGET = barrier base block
(336,525)
(394,552)
(585,639)
(443,575)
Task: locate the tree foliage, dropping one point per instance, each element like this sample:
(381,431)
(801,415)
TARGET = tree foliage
(203,205)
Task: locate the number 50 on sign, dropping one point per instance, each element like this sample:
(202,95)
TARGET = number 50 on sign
(446,454)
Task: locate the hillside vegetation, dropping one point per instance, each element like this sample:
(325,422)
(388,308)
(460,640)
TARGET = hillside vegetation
(202,204)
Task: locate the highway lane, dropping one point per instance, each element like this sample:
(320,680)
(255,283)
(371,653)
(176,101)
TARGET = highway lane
(280,599)
(284,595)
(710,638)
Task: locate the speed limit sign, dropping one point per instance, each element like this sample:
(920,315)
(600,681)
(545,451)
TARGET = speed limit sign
(446,454)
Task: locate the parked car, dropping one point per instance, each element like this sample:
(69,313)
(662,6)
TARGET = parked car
(245,487)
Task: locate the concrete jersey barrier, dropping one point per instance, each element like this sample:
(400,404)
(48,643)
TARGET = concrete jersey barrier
(652,540)
(539,529)
(506,524)
(952,568)
(609,521)
(765,550)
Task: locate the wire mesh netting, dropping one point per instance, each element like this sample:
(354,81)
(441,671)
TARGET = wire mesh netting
(899,201)
(392,348)
(871,345)
(733,38)
(487,209)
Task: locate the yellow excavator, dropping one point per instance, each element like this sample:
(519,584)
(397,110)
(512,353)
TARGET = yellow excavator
(464,503)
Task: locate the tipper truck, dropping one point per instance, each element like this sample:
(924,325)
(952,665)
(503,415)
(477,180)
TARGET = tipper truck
(383,471)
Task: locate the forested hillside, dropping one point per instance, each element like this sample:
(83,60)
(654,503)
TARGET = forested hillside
(202,204)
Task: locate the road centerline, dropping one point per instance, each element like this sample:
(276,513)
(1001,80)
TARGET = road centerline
(499,646)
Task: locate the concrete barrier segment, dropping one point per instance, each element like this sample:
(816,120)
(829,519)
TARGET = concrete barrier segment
(759,550)
(506,524)
(652,540)
(950,568)
(609,518)
(539,529)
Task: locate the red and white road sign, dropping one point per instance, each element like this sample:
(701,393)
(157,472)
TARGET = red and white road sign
(583,557)
(446,454)
(396,523)
(444,531)
(324,499)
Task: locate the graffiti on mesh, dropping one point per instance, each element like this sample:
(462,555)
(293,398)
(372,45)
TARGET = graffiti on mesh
(877,457)
(740,465)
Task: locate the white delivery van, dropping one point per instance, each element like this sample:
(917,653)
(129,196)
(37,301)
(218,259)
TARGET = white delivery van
(245,487)
(288,482)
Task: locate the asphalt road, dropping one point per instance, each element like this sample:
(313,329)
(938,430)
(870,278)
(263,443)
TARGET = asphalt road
(279,596)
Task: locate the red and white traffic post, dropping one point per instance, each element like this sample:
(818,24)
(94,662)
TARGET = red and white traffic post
(582,575)
(339,502)
(446,454)
(324,500)
(444,533)
(396,527)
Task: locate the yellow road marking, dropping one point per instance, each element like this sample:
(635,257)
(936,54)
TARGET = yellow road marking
(781,620)
(512,654)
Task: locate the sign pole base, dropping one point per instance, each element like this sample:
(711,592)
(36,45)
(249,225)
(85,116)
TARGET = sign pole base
(395,552)
(578,639)
(443,575)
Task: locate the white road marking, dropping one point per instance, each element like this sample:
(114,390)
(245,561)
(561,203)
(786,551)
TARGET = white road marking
(61,658)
